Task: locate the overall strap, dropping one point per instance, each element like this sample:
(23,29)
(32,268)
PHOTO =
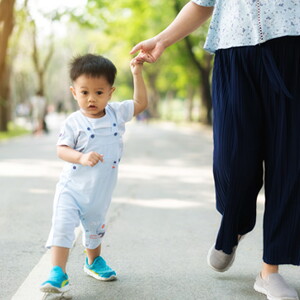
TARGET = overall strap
(87,126)
(114,114)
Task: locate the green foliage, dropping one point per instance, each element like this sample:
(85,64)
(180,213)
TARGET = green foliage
(13,131)
(122,24)
(109,28)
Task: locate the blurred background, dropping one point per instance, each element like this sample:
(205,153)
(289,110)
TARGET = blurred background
(38,38)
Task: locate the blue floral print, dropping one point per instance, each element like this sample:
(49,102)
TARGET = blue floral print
(250,22)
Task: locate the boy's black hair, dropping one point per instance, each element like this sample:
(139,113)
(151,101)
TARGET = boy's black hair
(94,66)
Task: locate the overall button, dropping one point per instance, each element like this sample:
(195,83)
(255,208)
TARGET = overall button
(115,134)
(88,128)
(74,167)
(92,136)
(114,124)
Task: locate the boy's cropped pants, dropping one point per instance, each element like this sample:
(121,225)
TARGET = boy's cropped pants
(256,105)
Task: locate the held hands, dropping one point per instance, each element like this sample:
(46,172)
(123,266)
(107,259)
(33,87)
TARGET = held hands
(90,159)
(150,51)
(136,67)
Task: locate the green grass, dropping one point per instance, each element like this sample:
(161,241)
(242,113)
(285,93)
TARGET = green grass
(13,131)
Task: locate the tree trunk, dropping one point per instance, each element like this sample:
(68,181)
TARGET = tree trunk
(169,100)
(6,27)
(190,102)
(204,67)
(41,89)
(4,100)
(205,93)
(40,67)
(153,95)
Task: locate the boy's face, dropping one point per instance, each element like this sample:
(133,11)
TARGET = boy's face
(92,94)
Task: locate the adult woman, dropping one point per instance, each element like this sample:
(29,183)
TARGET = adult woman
(256,103)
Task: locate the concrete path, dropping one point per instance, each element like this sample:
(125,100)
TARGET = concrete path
(161,223)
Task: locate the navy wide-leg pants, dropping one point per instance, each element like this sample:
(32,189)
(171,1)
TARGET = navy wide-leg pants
(256,105)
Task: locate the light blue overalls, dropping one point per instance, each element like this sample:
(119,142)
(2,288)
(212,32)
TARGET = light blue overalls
(84,193)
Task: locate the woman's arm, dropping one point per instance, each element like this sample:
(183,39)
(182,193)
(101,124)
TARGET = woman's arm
(188,20)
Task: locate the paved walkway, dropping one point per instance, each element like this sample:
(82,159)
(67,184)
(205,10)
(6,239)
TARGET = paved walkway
(161,224)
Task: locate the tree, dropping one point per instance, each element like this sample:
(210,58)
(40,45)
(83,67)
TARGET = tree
(125,23)
(6,28)
(203,64)
(132,21)
(39,66)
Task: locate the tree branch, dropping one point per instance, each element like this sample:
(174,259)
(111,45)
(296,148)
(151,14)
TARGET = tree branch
(188,42)
(50,54)
(35,55)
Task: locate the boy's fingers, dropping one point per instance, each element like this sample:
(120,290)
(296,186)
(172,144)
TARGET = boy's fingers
(99,157)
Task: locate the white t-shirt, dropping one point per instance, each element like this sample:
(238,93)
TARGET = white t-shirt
(73,131)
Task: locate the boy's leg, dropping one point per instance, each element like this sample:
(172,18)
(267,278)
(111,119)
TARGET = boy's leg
(92,254)
(65,220)
(96,266)
(59,257)
(58,281)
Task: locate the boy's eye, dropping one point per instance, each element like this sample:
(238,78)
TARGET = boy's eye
(99,93)
(84,92)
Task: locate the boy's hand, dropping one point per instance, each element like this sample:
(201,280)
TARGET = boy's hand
(136,67)
(90,159)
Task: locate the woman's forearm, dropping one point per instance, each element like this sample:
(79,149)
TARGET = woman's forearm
(188,20)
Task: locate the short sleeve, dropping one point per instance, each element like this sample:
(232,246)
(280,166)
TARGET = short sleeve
(205,2)
(124,110)
(66,135)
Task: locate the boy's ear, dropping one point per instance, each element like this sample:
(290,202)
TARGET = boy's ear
(111,91)
(73,92)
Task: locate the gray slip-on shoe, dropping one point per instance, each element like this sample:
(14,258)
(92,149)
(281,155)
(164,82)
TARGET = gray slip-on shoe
(220,261)
(275,288)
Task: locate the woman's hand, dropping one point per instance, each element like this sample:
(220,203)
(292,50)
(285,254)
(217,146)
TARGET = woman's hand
(188,20)
(150,51)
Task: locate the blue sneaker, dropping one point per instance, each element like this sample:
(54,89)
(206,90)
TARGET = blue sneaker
(58,282)
(99,270)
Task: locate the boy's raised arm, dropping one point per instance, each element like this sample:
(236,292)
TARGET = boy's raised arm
(140,93)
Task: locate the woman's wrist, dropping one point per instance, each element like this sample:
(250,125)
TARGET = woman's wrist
(162,40)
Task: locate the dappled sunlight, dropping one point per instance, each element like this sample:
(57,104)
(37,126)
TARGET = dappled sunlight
(40,191)
(160,203)
(185,174)
(30,168)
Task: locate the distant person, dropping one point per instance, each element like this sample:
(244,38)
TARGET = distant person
(144,116)
(256,106)
(60,107)
(39,112)
(90,142)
